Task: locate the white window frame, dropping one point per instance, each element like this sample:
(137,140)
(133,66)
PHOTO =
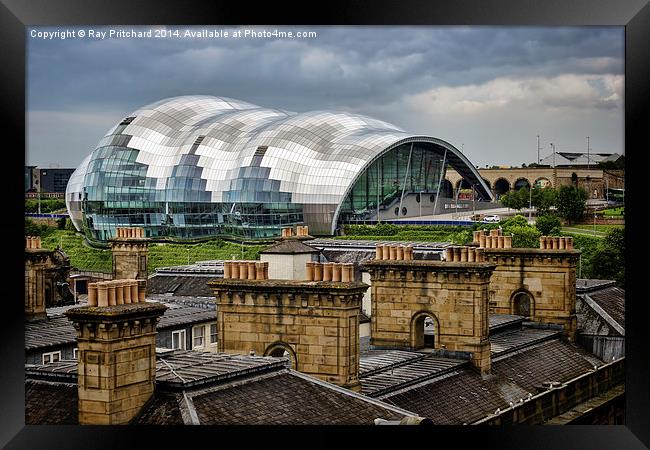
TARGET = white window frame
(194,336)
(51,357)
(181,339)
(215,335)
(75,353)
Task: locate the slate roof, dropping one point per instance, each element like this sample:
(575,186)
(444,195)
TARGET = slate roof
(57,330)
(514,340)
(178,315)
(590,284)
(290,398)
(499,321)
(289,247)
(463,396)
(215,388)
(180,284)
(414,371)
(185,369)
(48,403)
(612,301)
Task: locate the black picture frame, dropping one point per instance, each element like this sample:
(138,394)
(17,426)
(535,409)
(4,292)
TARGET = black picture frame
(634,15)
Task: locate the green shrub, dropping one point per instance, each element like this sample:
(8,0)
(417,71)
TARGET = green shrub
(549,225)
(514,221)
(35,229)
(47,205)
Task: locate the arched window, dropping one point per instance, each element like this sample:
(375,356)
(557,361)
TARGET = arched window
(280,350)
(424,328)
(521,304)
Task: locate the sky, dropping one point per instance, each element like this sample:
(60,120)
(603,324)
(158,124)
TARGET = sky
(489,91)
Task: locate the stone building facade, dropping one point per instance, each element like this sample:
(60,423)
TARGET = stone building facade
(536,283)
(453,294)
(315,323)
(46,272)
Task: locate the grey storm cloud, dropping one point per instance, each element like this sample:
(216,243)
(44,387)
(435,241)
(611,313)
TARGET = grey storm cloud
(370,70)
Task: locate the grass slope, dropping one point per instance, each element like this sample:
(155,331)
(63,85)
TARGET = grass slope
(85,257)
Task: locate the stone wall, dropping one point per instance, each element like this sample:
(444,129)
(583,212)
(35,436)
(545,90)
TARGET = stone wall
(454,295)
(46,273)
(316,323)
(117,360)
(546,277)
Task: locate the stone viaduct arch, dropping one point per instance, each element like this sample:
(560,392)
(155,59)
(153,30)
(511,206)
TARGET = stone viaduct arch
(500,180)
(521,183)
(501,186)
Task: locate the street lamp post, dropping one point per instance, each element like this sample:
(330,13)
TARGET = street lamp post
(594,224)
(530,202)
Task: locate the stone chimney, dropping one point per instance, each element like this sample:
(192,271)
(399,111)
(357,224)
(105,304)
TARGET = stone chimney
(453,293)
(536,283)
(37,283)
(315,322)
(117,357)
(130,255)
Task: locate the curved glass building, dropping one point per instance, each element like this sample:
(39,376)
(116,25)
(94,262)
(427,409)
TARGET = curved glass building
(198,166)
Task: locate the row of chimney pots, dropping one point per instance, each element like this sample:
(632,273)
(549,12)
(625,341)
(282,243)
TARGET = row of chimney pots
(116,292)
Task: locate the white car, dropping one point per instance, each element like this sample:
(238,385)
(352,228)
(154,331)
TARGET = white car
(491,219)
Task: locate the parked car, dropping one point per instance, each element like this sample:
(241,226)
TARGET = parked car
(491,219)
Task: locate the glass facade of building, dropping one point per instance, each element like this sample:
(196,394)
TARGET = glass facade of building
(198,166)
(413,168)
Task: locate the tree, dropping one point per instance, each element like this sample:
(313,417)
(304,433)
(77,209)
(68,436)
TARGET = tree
(543,199)
(608,261)
(514,199)
(548,225)
(571,202)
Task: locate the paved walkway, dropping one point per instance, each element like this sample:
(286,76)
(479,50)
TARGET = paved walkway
(466,215)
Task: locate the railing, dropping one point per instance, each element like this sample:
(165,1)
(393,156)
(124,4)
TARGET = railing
(48,216)
(93,274)
(467,223)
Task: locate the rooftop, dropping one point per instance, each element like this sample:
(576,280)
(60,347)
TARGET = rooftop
(289,247)
(58,330)
(588,285)
(215,388)
(463,396)
(608,306)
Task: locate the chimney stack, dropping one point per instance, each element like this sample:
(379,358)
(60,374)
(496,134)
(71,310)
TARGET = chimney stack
(555,243)
(330,271)
(245,270)
(393,252)
(130,250)
(37,265)
(464,254)
(117,357)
